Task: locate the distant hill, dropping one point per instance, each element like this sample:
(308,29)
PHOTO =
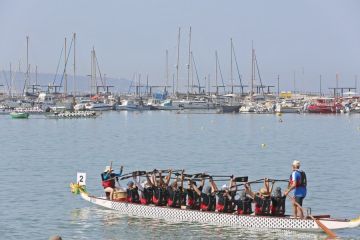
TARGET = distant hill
(121,85)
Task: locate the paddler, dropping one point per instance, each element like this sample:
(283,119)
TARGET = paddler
(132,193)
(108,181)
(297,183)
(262,198)
(174,193)
(159,188)
(244,204)
(207,198)
(278,203)
(224,199)
(193,199)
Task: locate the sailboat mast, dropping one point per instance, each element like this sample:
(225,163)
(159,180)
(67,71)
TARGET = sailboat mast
(167,68)
(11,82)
(36,75)
(177,63)
(92,72)
(27,65)
(65,75)
(188,65)
(252,69)
(231,66)
(74,73)
(216,73)
(94,68)
(192,72)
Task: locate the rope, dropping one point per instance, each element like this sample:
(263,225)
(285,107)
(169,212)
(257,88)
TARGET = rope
(58,65)
(62,77)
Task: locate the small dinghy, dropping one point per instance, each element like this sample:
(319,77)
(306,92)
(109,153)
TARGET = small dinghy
(19,115)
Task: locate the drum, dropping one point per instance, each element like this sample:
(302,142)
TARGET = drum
(120,195)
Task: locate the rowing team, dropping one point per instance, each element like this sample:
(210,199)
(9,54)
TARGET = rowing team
(156,189)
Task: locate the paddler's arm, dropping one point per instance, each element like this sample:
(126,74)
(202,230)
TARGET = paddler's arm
(213,184)
(137,182)
(161,181)
(168,178)
(121,170)
(272,186)
(266,184)
(198,192)
(291,187)
(154,179)
(149,181)
(248,191)
(232,185)
(202,183)
(182,179)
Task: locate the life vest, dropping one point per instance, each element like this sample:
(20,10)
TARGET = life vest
(278,206)
(262,206)
(173,199)
(208,202)
(158,197)
(222,204)
(107,183)
(191,198)
(133,195)
(244,206)
(146,196)
(303,180)
(182,198)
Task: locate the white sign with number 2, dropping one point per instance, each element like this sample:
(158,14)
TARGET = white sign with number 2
(81,179)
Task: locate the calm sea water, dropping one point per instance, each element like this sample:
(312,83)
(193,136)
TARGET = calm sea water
(39,157)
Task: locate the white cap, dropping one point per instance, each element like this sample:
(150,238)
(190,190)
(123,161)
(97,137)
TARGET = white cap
(224,187)
(296,163)
(107,168)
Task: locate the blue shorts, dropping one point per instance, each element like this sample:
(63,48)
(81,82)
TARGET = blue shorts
(299,200)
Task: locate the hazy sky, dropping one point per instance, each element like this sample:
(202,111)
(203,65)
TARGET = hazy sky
(308,37)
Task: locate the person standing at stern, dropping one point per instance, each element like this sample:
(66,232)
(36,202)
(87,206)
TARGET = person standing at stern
(297,182)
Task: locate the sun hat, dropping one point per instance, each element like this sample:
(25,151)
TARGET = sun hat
(296,163)
(264,192)
(107,169)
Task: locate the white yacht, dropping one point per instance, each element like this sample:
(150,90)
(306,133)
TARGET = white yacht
(193,104)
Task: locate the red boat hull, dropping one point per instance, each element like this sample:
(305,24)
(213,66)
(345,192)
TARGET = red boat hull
(325,108)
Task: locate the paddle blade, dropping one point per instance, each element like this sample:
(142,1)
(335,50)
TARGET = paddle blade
(330,233)
(241,179)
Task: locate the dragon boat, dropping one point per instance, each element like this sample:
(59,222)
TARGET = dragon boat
(311,224)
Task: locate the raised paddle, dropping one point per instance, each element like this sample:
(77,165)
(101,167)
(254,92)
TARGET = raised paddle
(130,175)
(330,233)
(279,180)
(256,181)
